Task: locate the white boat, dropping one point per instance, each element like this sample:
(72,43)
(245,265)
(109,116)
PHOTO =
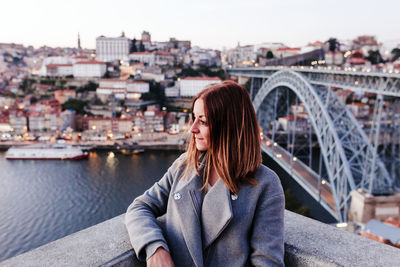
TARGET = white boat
(45,151)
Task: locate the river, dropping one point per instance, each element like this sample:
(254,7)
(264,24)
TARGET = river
(44,200)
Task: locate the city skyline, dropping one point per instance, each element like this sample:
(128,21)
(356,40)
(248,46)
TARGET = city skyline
(207,24)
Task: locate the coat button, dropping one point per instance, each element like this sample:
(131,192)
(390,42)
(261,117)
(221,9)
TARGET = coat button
(177,196)
(234,197)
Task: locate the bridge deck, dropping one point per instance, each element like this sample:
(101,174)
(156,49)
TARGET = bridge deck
(303,174)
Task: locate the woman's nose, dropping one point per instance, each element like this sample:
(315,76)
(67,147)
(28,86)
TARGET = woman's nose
(194,128)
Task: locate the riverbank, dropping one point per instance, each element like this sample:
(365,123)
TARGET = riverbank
(159,141)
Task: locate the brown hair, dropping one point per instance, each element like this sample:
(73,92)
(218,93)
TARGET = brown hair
(234,145)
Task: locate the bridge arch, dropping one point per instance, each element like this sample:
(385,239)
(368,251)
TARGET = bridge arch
(342,141)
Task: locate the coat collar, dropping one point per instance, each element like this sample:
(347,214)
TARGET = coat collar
(189,212)
(214,213)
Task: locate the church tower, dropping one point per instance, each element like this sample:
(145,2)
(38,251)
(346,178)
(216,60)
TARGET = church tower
(79,43)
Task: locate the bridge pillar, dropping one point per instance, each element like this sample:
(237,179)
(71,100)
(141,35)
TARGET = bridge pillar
(365,207)
(243,80)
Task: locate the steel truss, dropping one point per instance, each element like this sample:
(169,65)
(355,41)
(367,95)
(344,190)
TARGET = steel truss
(387,84)
(345,148)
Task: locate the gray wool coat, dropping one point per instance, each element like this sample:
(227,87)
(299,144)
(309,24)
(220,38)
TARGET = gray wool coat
(215,229)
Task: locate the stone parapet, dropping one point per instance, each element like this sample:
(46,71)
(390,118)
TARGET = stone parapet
(307,243)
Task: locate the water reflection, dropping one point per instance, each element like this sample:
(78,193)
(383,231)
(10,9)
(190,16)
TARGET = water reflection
(41,201)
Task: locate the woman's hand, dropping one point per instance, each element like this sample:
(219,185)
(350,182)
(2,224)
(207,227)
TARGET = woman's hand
(160,258)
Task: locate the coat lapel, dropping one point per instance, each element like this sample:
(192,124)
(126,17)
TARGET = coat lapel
(188,199)
(216,212)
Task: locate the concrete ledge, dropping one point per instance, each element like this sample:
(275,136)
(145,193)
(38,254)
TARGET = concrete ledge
(92,246)
(307,243)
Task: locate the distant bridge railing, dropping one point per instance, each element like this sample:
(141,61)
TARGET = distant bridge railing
(307,243)
(385,83)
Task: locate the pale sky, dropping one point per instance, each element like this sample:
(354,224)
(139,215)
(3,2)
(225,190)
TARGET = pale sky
(207,23)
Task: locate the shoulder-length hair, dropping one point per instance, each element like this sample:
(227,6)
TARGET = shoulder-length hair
(234,145)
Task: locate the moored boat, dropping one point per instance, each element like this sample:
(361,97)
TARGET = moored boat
(45,151)
(131,151)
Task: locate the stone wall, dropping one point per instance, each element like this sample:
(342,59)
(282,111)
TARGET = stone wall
(307,243)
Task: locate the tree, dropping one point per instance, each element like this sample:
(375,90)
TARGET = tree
(133,47)
(27,86)
(214,72)
(269,55)
(90,86)
(75,104)
(156,93)
(395,53)
(375,57)
(141,47)
(189,72)
(334,45)
(292,204)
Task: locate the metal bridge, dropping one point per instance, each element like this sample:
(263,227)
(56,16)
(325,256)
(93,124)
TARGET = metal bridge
(309,128)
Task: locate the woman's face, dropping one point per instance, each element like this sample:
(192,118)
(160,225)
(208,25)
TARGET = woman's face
(199,127)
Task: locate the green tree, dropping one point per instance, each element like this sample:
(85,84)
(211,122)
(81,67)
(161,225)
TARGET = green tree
(214,72)
(334,45)
(133,47)
(156,93)
(47,81)
(374,56)
(27,86)
(269,55)
(189,72)
(75,104)
(141,47)
(292,204)
(90,86)
(395,53)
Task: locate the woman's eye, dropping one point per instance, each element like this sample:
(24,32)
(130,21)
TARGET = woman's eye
(203,122)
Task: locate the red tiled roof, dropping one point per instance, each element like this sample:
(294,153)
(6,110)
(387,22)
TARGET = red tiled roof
(137,82)
(93,62)
(203,78)
(107,119)
(163,53)
(112,88)
(292,118)
(53,66)
(289,49)
(334,52)
(36,114)
(111,80)
(316,43)
(358,104)
(64,91)
(392,222)
(44,86)
(80,57)
(141,53)
(357,60)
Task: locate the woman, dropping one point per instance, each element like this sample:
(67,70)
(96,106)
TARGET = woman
(219,204)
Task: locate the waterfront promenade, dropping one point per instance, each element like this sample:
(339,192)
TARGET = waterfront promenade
(147,141)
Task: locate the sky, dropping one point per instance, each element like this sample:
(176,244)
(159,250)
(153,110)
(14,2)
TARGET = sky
(215,24)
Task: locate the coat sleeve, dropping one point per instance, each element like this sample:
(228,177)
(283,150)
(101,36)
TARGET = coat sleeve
(267,237)
(143,228)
